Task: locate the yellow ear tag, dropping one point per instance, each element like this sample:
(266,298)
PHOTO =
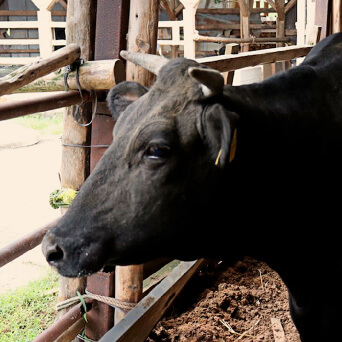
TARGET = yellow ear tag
(218,157)
(232,151)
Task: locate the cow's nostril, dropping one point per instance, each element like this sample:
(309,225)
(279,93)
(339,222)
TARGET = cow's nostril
(55,255)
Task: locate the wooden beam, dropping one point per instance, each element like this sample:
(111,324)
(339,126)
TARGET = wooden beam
(128,286)
(336,16)
(280,7)
(96,75)
(142,37)
(64,4)
(139,321)
(17,13)
(179,9)
(289,5)
(174,48)
(165,4)
(272,4)
(31,72)
(52,3)
(75,161)
(245,12)
(59,13)
(253,58)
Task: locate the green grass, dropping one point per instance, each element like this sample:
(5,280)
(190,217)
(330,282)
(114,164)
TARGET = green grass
(49,123)
(28,311)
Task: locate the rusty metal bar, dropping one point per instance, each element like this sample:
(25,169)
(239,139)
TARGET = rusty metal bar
(62,99)
(110,39)
(60,326)
(24,244)
(101,317)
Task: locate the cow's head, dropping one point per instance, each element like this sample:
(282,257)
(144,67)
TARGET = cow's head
(154,188)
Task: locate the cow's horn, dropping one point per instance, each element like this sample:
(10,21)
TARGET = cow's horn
(211,80)
(152,63)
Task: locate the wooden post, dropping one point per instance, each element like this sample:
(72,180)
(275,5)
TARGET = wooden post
(189,16)
(75,161)
(336,16)
(280,7)
(245,11)
(174,48)
(142,37)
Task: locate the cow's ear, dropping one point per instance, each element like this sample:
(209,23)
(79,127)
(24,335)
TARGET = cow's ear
(219,126)
(121,96)
(211,81)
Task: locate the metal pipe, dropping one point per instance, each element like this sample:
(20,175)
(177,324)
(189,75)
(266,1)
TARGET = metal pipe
(24,244)
(62,99)
(60,326)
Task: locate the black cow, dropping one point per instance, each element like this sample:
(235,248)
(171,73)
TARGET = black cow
(196,166)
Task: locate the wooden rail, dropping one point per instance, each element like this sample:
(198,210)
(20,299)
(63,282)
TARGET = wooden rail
(42,67)
(247,59)
(138,323)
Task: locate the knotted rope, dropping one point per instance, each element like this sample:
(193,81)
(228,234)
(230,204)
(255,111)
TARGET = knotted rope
(115,303)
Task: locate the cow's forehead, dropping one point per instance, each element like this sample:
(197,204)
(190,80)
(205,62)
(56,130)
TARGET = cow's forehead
(172,98)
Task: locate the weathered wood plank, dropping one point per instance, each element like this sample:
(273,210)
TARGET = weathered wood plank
(336,16)
(97,75)
(247,59)
(75,161)
(142,37)
(42,67)
(138,323)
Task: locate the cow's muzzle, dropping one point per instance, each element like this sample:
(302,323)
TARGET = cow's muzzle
(53,253)
(73,256)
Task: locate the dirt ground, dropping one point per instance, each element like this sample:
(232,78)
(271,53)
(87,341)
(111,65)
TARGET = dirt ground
(28,174)
(227,304)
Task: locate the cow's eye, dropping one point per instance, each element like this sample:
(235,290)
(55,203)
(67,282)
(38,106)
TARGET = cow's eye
(158,152)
